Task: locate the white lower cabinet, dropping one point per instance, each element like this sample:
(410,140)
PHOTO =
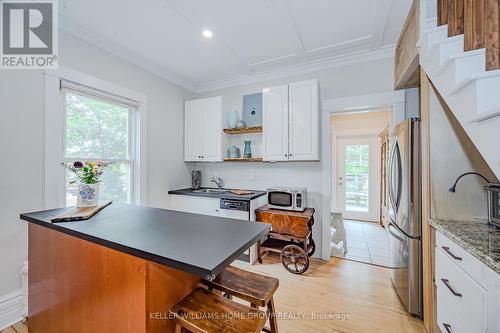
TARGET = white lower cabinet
(211,207)
(468,292)
(461,301)
(493,300)
(204,206)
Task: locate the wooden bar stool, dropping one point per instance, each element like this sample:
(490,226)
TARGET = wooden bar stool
(254,288)
(202,311)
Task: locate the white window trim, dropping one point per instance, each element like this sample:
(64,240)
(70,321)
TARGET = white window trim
(54,186)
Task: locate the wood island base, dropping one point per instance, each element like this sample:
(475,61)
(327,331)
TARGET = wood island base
(79,286)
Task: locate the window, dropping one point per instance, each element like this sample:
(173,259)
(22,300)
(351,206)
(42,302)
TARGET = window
(357,172)
(100,127)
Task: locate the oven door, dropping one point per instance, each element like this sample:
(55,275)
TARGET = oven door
(280,199)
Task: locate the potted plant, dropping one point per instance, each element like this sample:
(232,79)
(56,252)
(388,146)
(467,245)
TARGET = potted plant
(89,176)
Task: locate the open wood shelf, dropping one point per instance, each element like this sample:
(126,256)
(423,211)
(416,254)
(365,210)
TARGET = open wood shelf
(243,159)
(243,130)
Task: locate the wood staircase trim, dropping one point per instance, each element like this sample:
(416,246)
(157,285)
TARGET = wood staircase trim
(455,17)
(478,21)
(442,18)
(474,28)
(492,34)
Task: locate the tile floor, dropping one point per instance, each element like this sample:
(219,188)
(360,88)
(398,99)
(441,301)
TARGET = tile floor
(367,242)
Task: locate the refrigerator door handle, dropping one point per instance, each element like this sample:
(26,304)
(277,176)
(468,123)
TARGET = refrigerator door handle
(394,225)
(394,234)
(390,180)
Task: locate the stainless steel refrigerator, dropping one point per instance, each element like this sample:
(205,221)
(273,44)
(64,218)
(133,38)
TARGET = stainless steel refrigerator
(405,220)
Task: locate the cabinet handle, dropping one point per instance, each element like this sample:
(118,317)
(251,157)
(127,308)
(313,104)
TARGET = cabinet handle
(447,284)
(286,155)
(447,249)
(447,327)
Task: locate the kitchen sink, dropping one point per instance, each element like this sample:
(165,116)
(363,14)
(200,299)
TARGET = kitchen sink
(209,190)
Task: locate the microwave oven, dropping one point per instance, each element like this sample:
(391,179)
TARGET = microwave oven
(493,191)
(287,198)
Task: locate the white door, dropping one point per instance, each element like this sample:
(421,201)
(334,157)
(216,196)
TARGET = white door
(304,121)
(358,180)
(275,123)
(193,149)
(212,129)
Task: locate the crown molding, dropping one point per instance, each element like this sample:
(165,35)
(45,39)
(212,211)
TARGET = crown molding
(299,69)
(77,31)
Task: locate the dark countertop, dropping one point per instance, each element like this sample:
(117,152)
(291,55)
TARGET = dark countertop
(223,195)
(198,244)
(476,237)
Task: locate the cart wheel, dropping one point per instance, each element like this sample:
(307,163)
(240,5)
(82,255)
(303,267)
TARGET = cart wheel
(294,259)
(311,248)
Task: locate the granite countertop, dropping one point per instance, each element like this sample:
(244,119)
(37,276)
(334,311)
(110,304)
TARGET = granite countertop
(476,237)
(198,244)
(223,195)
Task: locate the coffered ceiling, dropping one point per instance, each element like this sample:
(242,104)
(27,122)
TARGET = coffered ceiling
(252,39)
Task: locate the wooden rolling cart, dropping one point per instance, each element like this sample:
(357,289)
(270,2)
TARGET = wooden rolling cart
(291,236)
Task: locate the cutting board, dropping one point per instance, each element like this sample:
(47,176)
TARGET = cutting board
(79,214)
(241,192)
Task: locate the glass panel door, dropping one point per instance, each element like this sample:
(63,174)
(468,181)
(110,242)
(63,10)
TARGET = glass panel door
(357,179)
(358,183)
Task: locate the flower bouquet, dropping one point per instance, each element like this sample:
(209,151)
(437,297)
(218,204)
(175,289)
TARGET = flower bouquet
(89,176)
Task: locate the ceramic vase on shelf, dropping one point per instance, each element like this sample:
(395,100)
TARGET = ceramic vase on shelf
(247,153)
(87,195)
(233,119)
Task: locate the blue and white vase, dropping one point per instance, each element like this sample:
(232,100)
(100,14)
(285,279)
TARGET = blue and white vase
(88,195)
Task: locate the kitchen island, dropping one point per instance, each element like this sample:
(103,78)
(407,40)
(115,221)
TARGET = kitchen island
(123,269)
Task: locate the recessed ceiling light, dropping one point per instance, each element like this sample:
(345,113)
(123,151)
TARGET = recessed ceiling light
(207,33)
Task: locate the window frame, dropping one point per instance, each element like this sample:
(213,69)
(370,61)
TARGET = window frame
(131,147)
(54,114)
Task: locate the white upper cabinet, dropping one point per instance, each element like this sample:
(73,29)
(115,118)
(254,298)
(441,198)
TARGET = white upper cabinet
(291,122)
(203,130)
(193,130)
(304,121)
(275,123)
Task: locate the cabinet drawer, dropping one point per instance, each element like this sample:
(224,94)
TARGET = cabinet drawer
(447,320)
(473,267)
(461,301)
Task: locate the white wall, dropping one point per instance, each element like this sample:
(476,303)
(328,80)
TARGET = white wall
(22,137)
(360,121)
(359,79)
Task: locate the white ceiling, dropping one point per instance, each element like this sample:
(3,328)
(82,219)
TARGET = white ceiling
(253,39)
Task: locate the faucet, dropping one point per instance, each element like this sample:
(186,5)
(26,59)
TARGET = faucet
(454,187)
(218,181)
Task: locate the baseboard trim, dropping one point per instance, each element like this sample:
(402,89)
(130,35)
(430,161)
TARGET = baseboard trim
(11,308)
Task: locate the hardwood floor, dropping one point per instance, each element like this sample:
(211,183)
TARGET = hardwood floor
(361,293)
(16,328)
